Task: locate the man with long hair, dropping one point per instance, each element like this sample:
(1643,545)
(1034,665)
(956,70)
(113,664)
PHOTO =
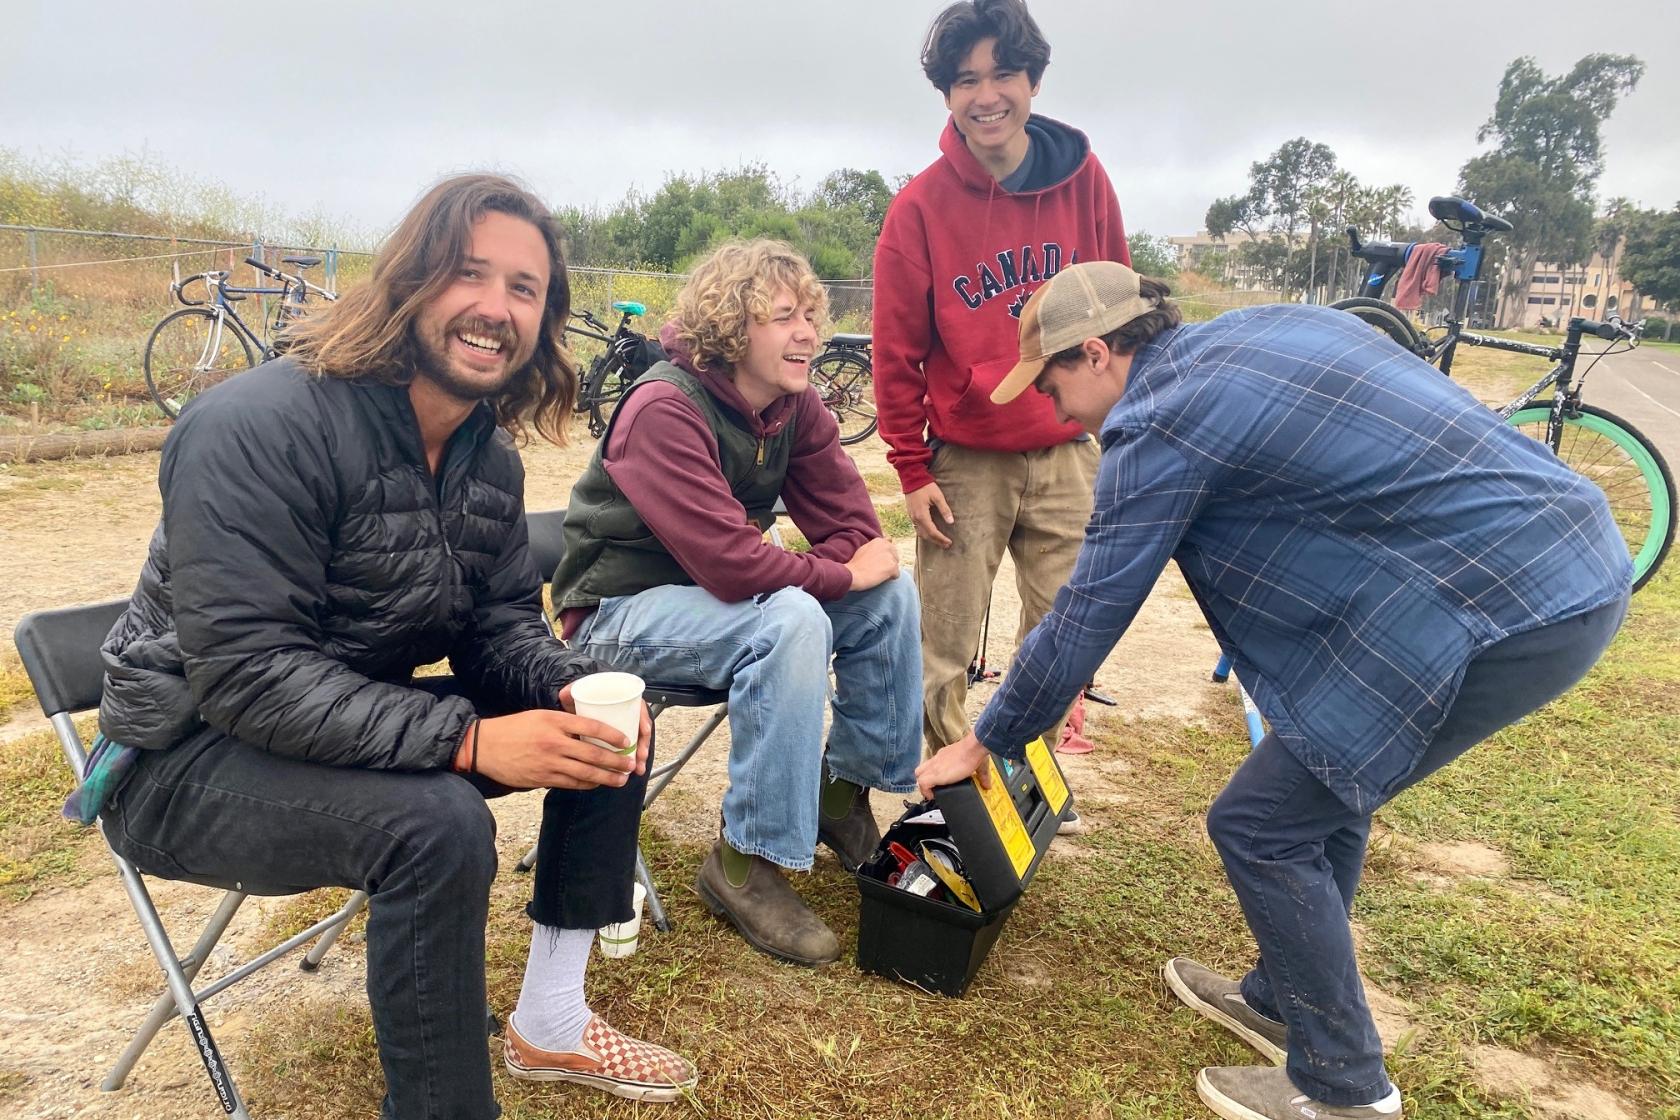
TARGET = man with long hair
(332,521)
(667,573)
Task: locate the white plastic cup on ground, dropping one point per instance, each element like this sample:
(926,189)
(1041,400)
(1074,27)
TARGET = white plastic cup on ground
(619,939)
(614,699)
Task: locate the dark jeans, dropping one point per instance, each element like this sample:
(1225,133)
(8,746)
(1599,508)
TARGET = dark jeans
(1293,852)
(421,844)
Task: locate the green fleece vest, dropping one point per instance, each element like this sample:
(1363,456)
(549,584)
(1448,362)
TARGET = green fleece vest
(610,551)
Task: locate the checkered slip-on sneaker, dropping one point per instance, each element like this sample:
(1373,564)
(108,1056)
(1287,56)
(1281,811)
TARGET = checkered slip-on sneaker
(607,1059)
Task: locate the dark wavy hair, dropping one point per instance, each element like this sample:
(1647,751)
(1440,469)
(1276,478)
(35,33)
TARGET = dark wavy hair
(1020,44)
(369,331)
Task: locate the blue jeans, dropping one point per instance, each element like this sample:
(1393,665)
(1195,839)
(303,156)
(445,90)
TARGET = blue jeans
(772,654)
(1294,852)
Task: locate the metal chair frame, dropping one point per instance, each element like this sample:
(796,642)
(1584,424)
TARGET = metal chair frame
(60,651)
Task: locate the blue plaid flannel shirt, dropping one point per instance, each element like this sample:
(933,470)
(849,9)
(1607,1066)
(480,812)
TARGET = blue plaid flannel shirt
(1355,526)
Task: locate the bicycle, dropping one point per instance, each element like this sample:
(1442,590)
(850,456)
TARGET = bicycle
(1594,442)
(843,374)
(627,357)
(207,342)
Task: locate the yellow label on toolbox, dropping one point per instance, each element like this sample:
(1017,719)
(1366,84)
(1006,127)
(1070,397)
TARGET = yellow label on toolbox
(1049,776)
(1006,819)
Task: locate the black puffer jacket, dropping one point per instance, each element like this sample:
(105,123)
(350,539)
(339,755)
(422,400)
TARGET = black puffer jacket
(306,564)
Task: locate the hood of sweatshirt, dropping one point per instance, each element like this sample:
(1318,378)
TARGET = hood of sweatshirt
(1060,148)
(771,420)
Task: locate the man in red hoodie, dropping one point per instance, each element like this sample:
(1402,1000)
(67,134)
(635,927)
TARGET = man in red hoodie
(667,574)
(1013,199)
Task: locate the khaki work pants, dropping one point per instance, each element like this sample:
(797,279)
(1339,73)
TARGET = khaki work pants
(1033,503)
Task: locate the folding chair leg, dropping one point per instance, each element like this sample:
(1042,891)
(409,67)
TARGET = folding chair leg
(655,907)
(221,1080)
(529,861)
(312,959)
(164,1009)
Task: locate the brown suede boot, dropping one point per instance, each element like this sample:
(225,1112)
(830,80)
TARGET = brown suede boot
(767,911)
(853,837)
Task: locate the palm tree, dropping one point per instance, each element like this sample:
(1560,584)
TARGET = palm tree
(1393,204)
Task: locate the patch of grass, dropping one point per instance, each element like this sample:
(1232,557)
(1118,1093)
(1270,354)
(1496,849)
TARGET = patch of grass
(37,846)
(15,690)
(883,484)
(12,1083)
(895,520)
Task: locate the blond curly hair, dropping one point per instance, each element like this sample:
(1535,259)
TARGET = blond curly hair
(741,278)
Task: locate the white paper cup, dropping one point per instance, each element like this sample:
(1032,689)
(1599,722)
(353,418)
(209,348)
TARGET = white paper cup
(614,699)
(619,939)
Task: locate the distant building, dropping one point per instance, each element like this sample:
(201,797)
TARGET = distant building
(1218,258)
(1593,290)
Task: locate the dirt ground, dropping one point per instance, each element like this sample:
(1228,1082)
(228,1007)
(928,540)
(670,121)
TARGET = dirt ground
(76,978)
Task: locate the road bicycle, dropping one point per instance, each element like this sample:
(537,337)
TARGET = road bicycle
(627,356)
(206,341)
(1594,442)
(844,376)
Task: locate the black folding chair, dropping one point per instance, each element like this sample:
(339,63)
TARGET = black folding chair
(548,548)
(60,651)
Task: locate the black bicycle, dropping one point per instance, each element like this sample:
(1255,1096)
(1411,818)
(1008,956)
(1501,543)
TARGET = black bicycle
(844,376)
(1595,443)
(206,342)
(627,355)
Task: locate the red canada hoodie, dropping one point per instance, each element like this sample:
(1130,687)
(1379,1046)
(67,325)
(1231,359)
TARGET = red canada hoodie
(957,259)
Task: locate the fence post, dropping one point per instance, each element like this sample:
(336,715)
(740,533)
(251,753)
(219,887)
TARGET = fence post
(610,276)
(34,268)
(331,277)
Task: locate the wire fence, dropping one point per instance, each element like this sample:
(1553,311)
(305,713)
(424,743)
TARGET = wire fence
(77,306)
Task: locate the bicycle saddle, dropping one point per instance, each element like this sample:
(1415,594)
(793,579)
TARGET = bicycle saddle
(301,262)
(629,307)
(1448,208)
(853,340)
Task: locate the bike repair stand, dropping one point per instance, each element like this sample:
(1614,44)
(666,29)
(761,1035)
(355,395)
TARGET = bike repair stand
(978,673)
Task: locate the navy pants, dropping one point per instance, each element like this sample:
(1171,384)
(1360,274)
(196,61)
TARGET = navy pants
(1293,852)
(216,809)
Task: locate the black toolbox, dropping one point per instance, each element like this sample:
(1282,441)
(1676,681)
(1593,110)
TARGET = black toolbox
(936,942)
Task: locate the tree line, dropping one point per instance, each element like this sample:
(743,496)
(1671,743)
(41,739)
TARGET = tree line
(1540,173)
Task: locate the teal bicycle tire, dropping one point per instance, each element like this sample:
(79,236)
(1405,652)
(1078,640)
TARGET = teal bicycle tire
(1642,500)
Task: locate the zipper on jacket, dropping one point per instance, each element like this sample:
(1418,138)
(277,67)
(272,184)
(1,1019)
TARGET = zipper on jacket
(761,451)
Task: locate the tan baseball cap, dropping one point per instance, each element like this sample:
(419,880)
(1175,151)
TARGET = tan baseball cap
(1081,301)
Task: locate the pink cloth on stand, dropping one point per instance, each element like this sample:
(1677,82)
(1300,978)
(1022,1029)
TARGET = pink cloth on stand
(1420,277)
(1073,739)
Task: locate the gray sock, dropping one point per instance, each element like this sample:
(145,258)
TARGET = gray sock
(551,1013)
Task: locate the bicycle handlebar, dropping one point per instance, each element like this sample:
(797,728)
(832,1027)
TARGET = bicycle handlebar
(261,267)
(1610,329)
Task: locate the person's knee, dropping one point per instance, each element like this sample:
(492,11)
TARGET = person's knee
(1227,825)
(901,599)
(450,831)
(795,626)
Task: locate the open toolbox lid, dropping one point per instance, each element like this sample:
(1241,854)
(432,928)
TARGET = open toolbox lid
(1004,832)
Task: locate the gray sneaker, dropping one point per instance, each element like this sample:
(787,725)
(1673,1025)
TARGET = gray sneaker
(1266,1093)
(1221,1000)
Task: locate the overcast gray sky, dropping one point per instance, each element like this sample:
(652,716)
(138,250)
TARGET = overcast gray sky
(352,108)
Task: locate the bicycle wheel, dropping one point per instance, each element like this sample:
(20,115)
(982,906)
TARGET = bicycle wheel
(190,351)
(1631,472)
(844,381)
(1386,318)
(604,389)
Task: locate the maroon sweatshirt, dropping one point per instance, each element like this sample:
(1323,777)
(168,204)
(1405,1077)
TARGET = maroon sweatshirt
(664,459)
